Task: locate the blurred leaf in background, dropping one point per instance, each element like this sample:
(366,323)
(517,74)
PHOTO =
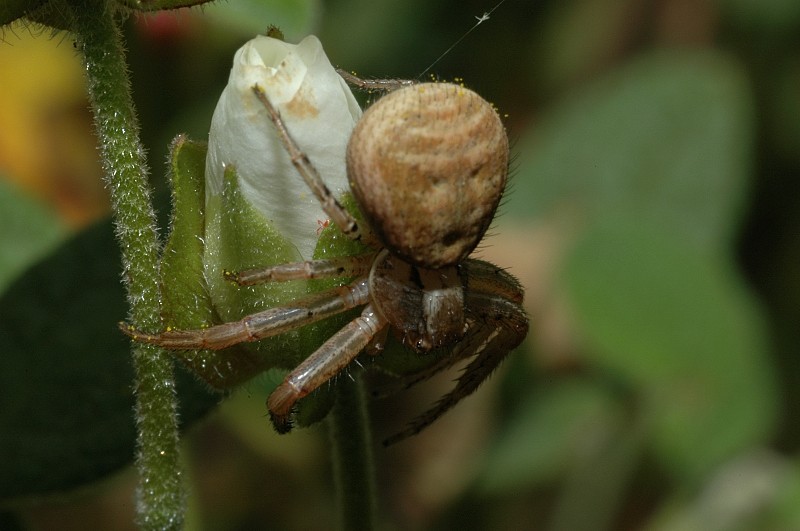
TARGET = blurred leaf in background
(645,173)
(653,218)
(47,147)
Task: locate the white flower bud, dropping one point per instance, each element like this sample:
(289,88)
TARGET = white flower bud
(319,111)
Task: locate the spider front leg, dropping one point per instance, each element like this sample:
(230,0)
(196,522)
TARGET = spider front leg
(267,323)
(497,324)
(332,207)
(386,85)
(346,266)
(325,363)
(483,278)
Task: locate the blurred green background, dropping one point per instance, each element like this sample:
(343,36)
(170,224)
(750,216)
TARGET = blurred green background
(652,217)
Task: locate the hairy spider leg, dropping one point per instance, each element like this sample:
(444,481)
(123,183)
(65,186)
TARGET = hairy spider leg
(386,85)
(497,325)
(485,277)
(346,266)
(343,219)
(267,323)
(462,350)
(482,277)
(325,363)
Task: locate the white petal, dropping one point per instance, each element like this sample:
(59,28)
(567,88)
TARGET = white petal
(319,111)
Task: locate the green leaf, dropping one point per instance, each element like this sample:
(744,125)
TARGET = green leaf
(766,17)
(682,330)
(547,433)
(577,38)
(27,232)
(251,17)
(66,411)
(667,139)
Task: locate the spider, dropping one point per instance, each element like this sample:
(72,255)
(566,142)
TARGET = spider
(427,165)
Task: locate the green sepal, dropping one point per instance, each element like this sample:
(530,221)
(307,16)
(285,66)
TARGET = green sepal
(186,303)
(238,237)
(225,233)
(209,236)
(331,244)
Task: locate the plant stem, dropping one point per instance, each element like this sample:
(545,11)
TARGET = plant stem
(351,450)
(160,496)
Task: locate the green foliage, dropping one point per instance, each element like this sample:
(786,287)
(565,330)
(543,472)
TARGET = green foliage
(765,17)
(548,431)
(238,237)
(682,331)
(66,409)
(251,17)
(28,231)
(657,146)
(666,139)
(643,174)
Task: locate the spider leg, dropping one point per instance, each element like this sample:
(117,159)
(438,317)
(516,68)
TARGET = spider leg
(485,277)
(498,325)
(374,84)
(462,350)
(378,343)
(325,363)
(263,324)
(347,266)
(482,277)
(343,219)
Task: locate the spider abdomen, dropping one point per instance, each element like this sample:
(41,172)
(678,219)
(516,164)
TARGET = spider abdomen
(428,165)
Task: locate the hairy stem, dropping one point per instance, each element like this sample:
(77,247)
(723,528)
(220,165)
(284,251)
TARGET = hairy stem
(161,497)
(351,448)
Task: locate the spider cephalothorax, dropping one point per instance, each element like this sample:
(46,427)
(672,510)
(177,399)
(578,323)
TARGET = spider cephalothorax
(427,164)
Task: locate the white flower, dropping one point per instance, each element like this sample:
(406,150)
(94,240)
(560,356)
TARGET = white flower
(319,111)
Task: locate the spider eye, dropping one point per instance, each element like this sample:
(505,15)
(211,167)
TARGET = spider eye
(428,165)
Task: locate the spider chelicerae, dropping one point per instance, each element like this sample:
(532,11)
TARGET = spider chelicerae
(427,165)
